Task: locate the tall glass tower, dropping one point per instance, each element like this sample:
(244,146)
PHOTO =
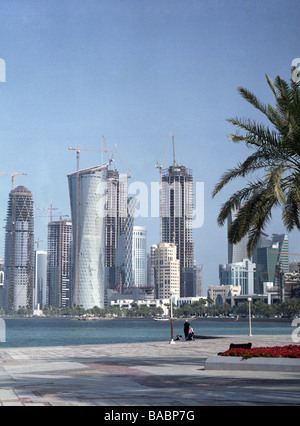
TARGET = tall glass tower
(88,209)
(19,250)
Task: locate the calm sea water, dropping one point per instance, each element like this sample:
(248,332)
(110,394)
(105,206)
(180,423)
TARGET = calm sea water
(58,332)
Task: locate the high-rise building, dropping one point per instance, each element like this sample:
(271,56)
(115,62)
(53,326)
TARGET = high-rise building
(266,261)
(281,241)
(40,284)
(116,216)
(177,213)
(166,270)
(131,205)
(139,256)
(19,250)
(59,267)
(236,252)
(88,209)
(239,274)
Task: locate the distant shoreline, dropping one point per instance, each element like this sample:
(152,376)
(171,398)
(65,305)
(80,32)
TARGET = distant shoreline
(199,319)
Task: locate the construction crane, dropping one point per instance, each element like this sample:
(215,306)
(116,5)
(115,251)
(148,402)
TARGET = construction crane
(174,158)
(110,159)
(78,150)
(51,208)
(160,166)
(128,175)
(38,243)
(13,175)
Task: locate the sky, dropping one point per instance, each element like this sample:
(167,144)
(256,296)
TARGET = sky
(136,71)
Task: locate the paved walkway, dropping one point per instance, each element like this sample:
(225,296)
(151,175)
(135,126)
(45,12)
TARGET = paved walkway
(142,374)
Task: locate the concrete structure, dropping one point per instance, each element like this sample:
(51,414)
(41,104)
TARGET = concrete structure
(59,268)
(140,378)
(88,201)
(219,293)
(177,212)
(139,256)
(166,270)
(19,250)
(115,224)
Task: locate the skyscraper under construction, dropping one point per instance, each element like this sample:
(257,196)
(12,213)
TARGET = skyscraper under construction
(176,210)
(19,250)
(59,265)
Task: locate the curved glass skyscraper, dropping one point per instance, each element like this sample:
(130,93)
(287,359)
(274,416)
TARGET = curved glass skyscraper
(88,197)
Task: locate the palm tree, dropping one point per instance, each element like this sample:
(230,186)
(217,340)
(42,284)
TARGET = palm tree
(276,152)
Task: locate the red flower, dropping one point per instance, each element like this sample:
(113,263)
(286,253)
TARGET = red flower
(289,351)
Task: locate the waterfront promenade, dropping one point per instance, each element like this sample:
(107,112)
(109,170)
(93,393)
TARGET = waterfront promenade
(142,374)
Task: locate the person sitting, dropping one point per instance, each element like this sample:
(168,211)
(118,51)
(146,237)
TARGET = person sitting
(178,337)
(191,334)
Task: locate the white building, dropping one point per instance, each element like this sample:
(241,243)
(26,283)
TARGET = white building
(88,199)
(40,282)
(166,270)
(139,256)
(219,293)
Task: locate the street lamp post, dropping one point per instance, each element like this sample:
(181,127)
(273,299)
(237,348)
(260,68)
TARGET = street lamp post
(171,317)
(250,331)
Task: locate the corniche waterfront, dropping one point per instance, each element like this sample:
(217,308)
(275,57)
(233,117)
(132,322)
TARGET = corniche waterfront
(31,332)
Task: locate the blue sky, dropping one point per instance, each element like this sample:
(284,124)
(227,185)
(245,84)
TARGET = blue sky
(134,71)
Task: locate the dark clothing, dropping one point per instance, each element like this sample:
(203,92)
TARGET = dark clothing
(186,328)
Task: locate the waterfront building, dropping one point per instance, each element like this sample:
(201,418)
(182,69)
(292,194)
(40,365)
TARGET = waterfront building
(40,282)
(177,212)
(176,215)
(19,250)
(120,211)
(191,281)
(124,272)
(59,267)
(219,293)
(139,256)
(166,270)
(240,274)
(266,262)
(116,213)
(88,209)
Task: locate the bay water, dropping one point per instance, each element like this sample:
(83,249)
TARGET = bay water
(30,332)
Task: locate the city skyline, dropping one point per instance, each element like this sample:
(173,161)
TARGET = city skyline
(134,72)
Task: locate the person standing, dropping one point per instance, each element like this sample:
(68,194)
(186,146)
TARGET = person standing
(186,328)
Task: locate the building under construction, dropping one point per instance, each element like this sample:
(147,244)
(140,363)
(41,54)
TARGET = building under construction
(19,250)
(59,265)
(177,215)
(177,212)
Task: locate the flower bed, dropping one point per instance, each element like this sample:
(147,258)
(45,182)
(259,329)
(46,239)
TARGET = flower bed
(290,351)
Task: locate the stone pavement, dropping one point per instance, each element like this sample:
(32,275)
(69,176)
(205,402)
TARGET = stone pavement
(141,374)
